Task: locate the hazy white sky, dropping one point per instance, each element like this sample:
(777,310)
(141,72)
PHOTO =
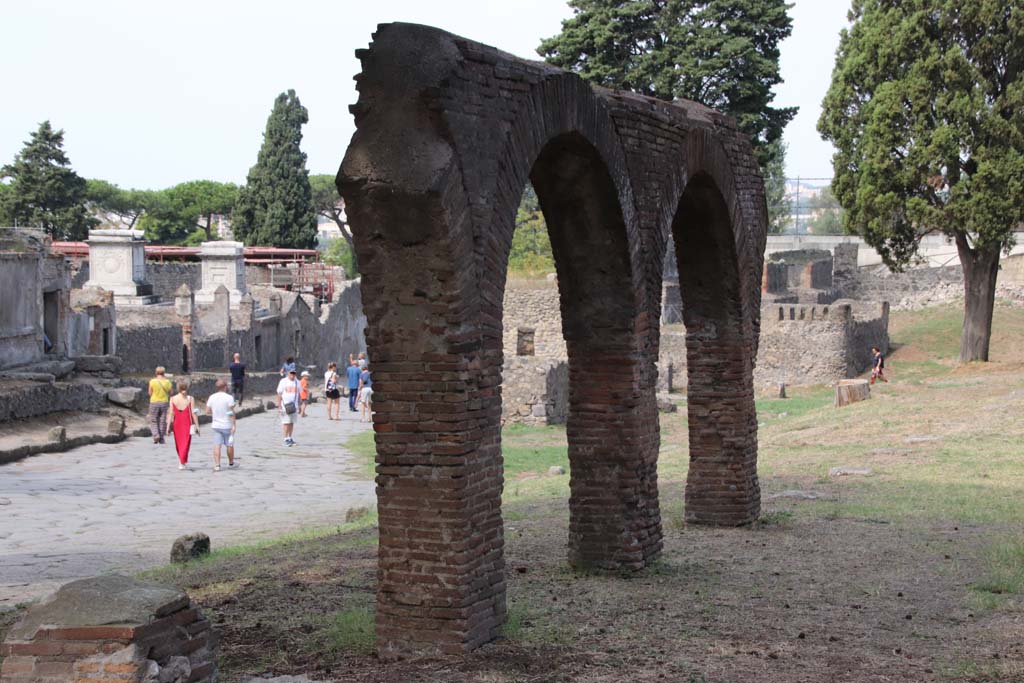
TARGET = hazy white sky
(150,94)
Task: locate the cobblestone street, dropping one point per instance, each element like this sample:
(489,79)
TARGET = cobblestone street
(106,507)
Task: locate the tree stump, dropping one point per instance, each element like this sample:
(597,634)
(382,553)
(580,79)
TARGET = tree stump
(852,390)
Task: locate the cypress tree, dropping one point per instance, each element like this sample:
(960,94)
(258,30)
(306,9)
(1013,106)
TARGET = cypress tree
(275,207)
(44,191)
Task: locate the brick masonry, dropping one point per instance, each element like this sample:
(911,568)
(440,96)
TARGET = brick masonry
(111,629)
(448,133)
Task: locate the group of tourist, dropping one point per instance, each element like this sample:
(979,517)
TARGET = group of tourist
(176,414)
(358,384)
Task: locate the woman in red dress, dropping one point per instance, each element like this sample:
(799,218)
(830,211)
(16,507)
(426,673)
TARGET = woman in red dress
(182,422)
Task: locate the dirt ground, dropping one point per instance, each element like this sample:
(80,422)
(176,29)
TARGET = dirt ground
(912,573)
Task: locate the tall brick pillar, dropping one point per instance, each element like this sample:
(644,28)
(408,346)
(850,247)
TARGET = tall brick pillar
(721,486)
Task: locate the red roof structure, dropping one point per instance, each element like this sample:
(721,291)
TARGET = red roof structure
(263,255)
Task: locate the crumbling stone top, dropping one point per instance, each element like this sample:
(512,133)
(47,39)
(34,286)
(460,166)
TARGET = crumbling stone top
(100,601)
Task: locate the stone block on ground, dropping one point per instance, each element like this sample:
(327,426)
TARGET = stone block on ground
(57,434)
(849,471)
(851,391)
(57,368)
(98,364)
(666,405)
(111,628)
(556,470)
(190,547)
(128,397)
(115,426)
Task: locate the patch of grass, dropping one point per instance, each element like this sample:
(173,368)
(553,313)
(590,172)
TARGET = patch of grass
(363,447)
(533,626)
(350,631)
(259,550)
(776,518)
(534,449)
(1005,571)
(800,402)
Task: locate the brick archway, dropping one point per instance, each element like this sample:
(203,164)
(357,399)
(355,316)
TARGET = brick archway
(448,132)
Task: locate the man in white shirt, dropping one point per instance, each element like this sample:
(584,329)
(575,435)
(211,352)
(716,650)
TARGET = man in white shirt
(288,405)
(221,407)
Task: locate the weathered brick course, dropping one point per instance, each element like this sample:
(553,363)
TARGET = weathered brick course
(448,133)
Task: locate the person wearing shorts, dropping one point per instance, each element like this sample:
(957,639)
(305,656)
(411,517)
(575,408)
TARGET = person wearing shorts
(221,407)
(332,392)
(365,395)
(288,392)
(877,365)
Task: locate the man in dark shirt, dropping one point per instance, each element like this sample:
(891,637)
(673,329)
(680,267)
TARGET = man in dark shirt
(237,378)
(877,365)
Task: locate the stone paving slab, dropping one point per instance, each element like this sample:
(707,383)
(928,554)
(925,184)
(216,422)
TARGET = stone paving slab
(119,507)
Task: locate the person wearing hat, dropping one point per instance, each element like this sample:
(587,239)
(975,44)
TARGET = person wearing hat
(304,392)
(288,398)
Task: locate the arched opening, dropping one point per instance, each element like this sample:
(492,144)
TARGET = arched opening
(614,516)
(722,486)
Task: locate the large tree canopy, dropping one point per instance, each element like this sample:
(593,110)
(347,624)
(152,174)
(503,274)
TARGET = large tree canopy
(926,110)
(721,53)
(126,205)
(275,208)
(329,204)
(44,191)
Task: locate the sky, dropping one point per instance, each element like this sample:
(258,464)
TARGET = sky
(152,94)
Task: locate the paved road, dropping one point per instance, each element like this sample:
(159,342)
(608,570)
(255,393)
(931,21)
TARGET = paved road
(108,507)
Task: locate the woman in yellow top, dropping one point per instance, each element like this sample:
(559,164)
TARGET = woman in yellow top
(159,394)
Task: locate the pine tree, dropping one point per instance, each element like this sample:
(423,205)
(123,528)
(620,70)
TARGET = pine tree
(926,111)
(275,208)
(721,53)
(44,191)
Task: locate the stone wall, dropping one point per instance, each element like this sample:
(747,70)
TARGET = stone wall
(819,344)
(23,399)
(534,391)
(142,348)
(164,276)
(20,341)
(209,354)
(802,344)
(817,274)
(878,283)
(91,328)
(775,279)
(535,304)
(672,360)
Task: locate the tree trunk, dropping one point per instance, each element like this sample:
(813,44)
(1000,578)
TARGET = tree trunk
(209,227)
(981,267)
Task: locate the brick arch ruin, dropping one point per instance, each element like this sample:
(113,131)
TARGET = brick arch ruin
(448,133)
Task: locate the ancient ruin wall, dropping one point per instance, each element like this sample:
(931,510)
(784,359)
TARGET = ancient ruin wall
(448,133)
(535,391)
(533,305)
(145,347)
